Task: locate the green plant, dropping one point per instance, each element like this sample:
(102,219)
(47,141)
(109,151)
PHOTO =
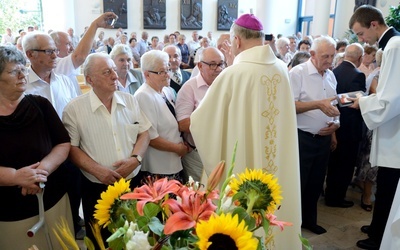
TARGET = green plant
(393,19)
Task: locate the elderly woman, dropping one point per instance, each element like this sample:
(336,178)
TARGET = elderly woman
(34,146)
(129,80)
(367,64)
(156,99)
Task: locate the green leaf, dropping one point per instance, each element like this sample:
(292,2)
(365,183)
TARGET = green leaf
(305,243)
(156,226)
(142,222)
(265,224)
(151,210)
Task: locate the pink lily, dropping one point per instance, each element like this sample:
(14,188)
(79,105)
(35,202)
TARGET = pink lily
(274,222)
(185,215)
(152,192)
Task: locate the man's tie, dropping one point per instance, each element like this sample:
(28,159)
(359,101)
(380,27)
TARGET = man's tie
(177,78)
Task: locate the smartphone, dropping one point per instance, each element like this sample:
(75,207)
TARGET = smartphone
(268,37)
(112,21)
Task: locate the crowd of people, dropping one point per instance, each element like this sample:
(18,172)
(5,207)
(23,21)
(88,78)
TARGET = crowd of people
(174,109)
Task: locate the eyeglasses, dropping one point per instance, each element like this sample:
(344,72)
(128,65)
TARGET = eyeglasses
(48,52)
(160,73)
(214,66)
(17,72)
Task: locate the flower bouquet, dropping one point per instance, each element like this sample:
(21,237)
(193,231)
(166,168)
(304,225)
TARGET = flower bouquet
(166,214)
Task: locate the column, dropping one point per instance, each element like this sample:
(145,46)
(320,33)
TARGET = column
(320,24)
(277,16)
(344,10)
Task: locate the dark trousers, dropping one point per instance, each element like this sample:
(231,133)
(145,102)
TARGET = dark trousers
(90,194)
(314,156)
(340,170)
(386,185)
(74,192)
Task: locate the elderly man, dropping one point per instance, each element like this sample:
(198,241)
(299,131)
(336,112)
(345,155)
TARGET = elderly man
(343,159)
(42,80)
(102,150)
(71,57)
(189,97)
(314,90)
(8,38)
(248,103)
(193,45)
(178,76)
(74,38)
(205,43)
(381,114)
(143,46)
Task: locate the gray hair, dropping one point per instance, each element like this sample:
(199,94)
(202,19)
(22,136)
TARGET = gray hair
(10,54)
(151,59)
(90,60)
(237,30)
(120,49)
(322,40)
(353,51)
(281,42)
(175,47)
(55,35)
(299,58)
(30,40)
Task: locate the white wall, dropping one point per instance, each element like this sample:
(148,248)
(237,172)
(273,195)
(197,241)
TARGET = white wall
(278,16)
(78,14)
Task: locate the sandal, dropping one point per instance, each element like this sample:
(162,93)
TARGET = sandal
(364,206)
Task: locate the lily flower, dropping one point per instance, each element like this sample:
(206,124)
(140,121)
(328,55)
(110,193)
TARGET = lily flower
(215,176)
(185,215)
(152,192)
(274,222)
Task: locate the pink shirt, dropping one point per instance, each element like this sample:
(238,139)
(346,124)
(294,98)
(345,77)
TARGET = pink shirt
(189,98)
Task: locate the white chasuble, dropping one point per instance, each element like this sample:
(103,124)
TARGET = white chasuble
(251,103)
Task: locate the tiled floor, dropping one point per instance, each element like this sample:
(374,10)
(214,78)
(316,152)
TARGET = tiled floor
(342,224)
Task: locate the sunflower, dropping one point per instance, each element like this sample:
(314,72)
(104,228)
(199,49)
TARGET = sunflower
(261,190)
(108,200)
(225,232)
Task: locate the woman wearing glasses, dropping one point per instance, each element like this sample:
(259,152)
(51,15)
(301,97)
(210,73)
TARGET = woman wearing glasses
(157,100)
(34,146)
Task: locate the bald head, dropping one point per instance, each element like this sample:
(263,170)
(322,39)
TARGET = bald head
(354,53)
(211,53)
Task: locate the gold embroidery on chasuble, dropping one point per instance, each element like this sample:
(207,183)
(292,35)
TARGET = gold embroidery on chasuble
(270,113)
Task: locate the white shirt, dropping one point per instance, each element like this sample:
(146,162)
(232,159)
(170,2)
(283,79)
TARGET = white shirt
(59,92)
(381,111)
(65,66)
(106,137)
(192,45)
(195,72)
(7,39)
(164,125)
(308,85)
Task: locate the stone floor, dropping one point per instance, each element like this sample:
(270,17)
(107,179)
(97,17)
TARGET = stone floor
(343,225)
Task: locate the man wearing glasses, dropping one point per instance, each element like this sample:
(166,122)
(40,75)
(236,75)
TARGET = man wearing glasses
(211,63)
(251,103)
(42,52)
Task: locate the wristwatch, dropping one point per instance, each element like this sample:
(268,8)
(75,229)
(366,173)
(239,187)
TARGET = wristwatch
(138,158)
